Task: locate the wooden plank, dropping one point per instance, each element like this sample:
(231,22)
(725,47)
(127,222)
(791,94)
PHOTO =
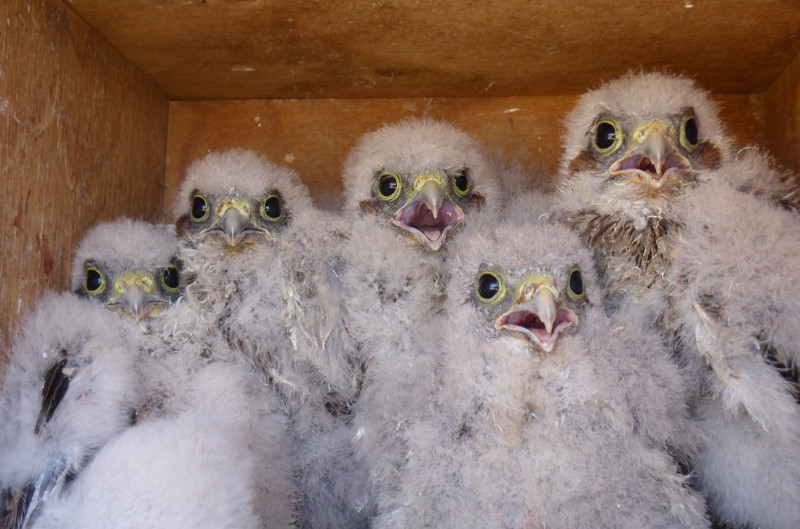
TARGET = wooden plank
(314,136)
(782,116)
(251,49)
(82,138)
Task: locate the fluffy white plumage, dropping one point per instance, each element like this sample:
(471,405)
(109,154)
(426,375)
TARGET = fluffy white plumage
(216,458)
(574,432)
(394,179)
(266,282)
(270,288)
(72,384)
(735,290)
(188,392)
(698,238)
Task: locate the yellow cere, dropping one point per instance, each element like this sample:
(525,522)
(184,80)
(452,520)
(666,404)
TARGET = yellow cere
(419,180)
(530,282)
(647,127)
(240,204)
(127,279)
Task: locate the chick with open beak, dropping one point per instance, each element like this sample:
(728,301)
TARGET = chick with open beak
(429,211)
(538,313)
(653,154)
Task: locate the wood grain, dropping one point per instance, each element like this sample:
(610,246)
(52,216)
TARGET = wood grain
(314,136)
(281,49)
(82,138)
(782,116)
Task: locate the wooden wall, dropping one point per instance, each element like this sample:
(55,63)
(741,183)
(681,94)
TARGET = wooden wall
(782,116)
(82,138)
(314,136)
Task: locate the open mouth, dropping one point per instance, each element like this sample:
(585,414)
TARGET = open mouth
(643,167)
(534,329)
(430,227)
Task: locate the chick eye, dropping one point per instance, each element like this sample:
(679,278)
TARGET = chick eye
(389,186)
(607,137)
(461,183)
(271,208)
(95,282)
(689,133)
(490,288)
(199,208)
(575,285)
(171,278)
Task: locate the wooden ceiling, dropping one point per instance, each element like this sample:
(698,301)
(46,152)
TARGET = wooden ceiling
(285,49)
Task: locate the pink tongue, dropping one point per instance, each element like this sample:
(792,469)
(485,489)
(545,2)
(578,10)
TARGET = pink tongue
(431,233)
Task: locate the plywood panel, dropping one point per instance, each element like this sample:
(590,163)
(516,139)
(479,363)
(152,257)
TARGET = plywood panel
(782,112)
(314,136)
(82,138)
(254,49)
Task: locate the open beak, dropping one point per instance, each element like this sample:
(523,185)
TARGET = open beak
(652,156)
(134,294)
(429,213)
(234,222)
(538,316)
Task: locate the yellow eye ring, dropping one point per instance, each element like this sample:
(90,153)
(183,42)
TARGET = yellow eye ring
(389,186)
(200,209)
(490,288)
(171,278)
(688,137)
(461,183)
(271,208)
(607,137)
(95,282)
(575,289)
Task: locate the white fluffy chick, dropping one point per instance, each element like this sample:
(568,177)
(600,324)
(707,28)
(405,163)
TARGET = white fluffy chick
(266,264)
(129,266)
(545,413)
(735,295)
(410,187)
(217,459)
(265,268)
(631,148)
(71,385)
(681,228)
(132,268)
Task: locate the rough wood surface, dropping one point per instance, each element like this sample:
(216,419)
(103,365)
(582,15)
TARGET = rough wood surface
(252,49)
(782,116)
(314,136)
(82,138)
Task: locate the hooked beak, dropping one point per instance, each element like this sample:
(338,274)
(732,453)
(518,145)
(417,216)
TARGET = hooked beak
(134,294)
(653,157)
(233,222)
(430,213)
(538,316)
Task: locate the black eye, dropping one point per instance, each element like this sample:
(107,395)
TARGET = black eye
(690,131)
(461,183)
(199,208)
(605,135)
(271,209)
(95,283)
(388,186)
(171,278)
(575,287)
(490,288)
